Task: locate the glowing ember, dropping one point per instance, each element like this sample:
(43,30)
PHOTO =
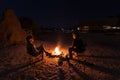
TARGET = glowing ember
(56,51)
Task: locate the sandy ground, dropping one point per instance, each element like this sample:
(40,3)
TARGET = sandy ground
(100,61)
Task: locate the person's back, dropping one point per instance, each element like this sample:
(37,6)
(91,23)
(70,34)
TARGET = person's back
(79,45)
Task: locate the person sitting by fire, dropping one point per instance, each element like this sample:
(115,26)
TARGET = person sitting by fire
(32,49)
(77,46)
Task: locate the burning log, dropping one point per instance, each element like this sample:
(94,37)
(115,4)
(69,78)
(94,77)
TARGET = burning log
(57,53)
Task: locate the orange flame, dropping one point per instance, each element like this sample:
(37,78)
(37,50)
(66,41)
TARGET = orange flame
(56,51)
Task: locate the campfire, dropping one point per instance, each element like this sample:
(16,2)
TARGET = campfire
(56,51)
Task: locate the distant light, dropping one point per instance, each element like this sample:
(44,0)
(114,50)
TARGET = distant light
(78,28)
(114,27)
(107,27)
(62,29)
(118,27)
(72,30)
(85,28)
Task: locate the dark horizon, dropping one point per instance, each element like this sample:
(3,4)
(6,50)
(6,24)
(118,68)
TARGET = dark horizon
(62,12)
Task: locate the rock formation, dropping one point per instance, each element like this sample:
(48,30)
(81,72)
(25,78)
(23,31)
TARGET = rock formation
(10,28)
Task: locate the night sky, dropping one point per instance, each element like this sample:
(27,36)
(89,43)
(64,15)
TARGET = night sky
(62,12)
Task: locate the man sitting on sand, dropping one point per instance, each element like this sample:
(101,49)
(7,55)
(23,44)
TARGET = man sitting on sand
(78,45)
(32,49)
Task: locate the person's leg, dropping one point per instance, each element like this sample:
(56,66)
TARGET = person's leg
(67,58)
(70,52)
(41,49)
(60,62)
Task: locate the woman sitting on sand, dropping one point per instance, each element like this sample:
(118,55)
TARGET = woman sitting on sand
(32,49)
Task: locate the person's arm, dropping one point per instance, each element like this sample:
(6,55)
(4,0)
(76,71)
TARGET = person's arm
(31,48)
(35,48)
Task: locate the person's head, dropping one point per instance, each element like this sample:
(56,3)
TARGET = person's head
(30,39)
(74,35)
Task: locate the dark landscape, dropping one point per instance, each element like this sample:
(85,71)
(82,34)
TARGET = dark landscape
(100,61)
(51,23)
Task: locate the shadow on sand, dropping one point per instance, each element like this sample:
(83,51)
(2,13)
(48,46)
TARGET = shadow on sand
(5,72)
(112,72)
(61,74)
(101,57)
(80,73)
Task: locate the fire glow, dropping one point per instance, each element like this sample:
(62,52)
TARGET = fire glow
(56,51)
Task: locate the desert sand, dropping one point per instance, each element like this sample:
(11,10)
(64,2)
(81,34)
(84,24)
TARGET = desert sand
(100,61)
